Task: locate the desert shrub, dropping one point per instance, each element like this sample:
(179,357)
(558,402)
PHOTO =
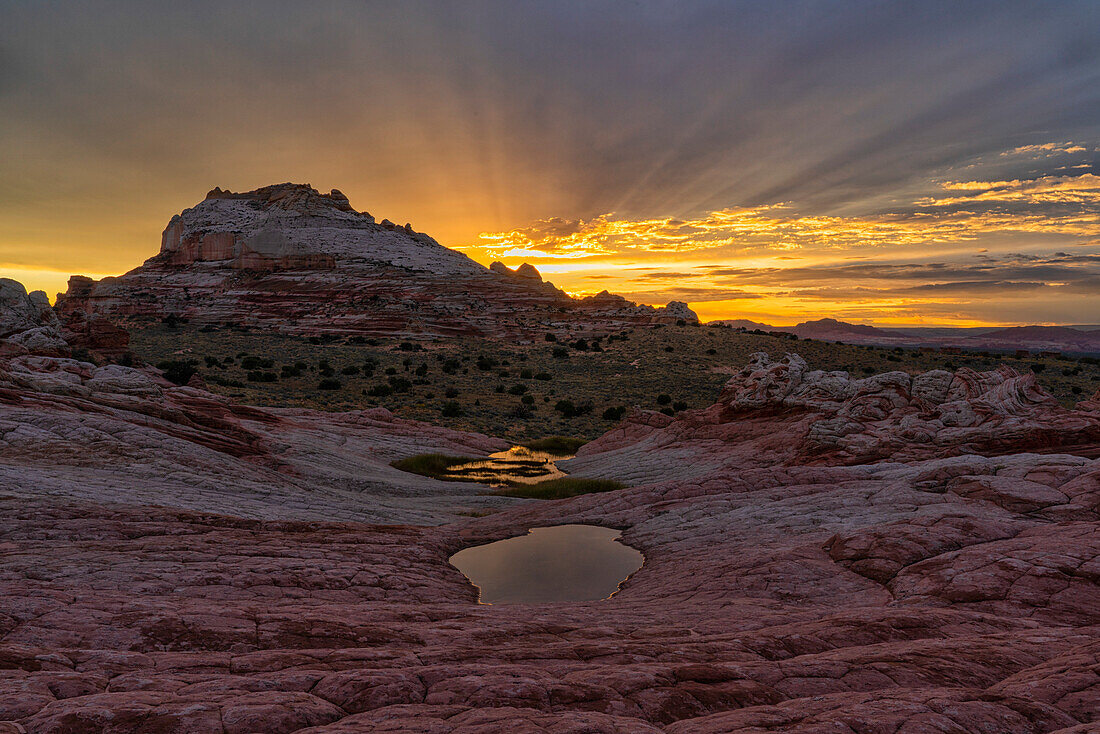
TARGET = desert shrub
(679,405)
(178,371)
(421,370)
(253,362)
(224,382)
(580,345)
(560,353)
(664,399)
(569,409)
(1037,367)
(400,384)
(258,376)
(329,383)
(1076,390)
(566,407)
(517,389)
(561,488)
(452,392)
(485,363)
(288,370)
(563,445)
(668,411)
(544,376)
(450,409)
(380,391)
(528,400)
(212,361)
(670,349)
(550,337)
(351,369)
(409,347)
(429,465)
(499,388)
(615,413)
(325,369)
(526,373)
(450,366)
(391,370)
(520,411)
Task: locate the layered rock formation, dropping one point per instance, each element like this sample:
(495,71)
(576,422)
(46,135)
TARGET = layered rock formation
(289,258)
(783,413)
(174,562)
(27,323)
(73,430)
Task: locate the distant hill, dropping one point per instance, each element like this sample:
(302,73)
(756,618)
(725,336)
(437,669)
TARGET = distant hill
(831,329)
(1052,338)
(743,324)
(1069,339)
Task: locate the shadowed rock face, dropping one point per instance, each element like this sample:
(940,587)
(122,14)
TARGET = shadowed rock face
(27,323)
(173,562)
(290,258)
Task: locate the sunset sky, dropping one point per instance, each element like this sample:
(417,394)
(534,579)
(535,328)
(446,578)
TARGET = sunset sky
(894,163)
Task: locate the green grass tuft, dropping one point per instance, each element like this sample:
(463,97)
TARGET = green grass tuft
(430,465)
(557,489)
(556,444)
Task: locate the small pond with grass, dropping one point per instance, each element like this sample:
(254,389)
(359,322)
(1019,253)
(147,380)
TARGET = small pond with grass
(517,465)
(529,471)
(559,563)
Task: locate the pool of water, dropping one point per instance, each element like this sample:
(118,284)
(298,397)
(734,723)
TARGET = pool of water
(516,465)
(560,563)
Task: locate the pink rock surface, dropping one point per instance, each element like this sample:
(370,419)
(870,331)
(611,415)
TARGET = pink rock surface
(934,594)
(73,430)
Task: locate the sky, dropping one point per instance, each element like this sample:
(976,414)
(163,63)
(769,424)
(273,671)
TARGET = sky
(931,163)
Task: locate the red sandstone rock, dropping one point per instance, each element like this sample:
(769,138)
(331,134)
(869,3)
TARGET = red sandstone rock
(938,594)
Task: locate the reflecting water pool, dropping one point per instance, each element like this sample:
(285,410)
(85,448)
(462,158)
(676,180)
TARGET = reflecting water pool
(560,563)
(516,465)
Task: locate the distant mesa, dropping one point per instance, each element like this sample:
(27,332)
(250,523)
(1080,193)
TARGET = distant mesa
(289,258)
(1037,339)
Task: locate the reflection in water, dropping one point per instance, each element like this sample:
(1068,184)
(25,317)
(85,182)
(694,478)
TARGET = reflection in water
(561,563)
(518,464)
